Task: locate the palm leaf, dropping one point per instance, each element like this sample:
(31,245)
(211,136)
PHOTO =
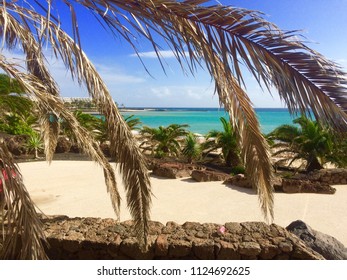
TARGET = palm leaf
(85,140)
(22,235)
(285,133)
(131,161)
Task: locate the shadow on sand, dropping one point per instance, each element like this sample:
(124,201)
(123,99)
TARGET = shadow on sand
(239,189)
(192,181)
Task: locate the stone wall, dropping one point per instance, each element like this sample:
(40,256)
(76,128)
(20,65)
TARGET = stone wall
(93,238)
(318,181)
(336,176)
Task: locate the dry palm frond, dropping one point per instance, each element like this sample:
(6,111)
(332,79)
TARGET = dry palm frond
(22,236)
(125,149)
(54,104)
(49,128)
(14,33)
(85,141)
(254,148)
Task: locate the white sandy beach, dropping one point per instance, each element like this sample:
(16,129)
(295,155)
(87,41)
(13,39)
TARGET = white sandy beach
(77,189)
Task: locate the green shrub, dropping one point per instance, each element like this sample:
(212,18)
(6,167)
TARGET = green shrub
(238,170)
(14,125)
(287,175)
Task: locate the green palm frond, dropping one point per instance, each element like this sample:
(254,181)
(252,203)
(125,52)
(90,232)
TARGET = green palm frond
(35,144)
(163,141)
(192,149)
(285,133)
(133,122)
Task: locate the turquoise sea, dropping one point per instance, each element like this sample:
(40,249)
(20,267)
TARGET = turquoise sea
(202,120)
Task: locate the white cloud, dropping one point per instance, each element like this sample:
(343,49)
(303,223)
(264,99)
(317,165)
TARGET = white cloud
(112,76)
(194,95)
(138,90)
(168,96)
(161,92)
(153,54)
(15,57)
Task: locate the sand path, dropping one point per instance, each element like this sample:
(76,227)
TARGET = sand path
(77,189)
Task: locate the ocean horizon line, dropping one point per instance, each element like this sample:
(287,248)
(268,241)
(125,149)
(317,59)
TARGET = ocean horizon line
(186,107)
(129,109)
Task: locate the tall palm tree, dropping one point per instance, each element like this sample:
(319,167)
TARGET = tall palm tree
(221,37)
(163,141)
(225,140)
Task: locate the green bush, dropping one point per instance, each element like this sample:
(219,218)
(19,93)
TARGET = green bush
(287,175)
(14,125)
(238,170)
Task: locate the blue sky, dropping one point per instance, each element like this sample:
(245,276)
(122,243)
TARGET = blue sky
(322,22)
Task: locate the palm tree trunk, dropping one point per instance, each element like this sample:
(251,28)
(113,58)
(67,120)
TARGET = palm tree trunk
(232,159)
(36,154)
(313,164)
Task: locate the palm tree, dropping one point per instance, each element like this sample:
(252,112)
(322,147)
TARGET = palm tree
(224,38)
(192,149)
(34,144)
(310,141)
(225,140)
(163,141)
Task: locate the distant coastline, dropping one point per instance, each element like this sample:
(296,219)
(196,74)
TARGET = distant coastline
(198,109)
